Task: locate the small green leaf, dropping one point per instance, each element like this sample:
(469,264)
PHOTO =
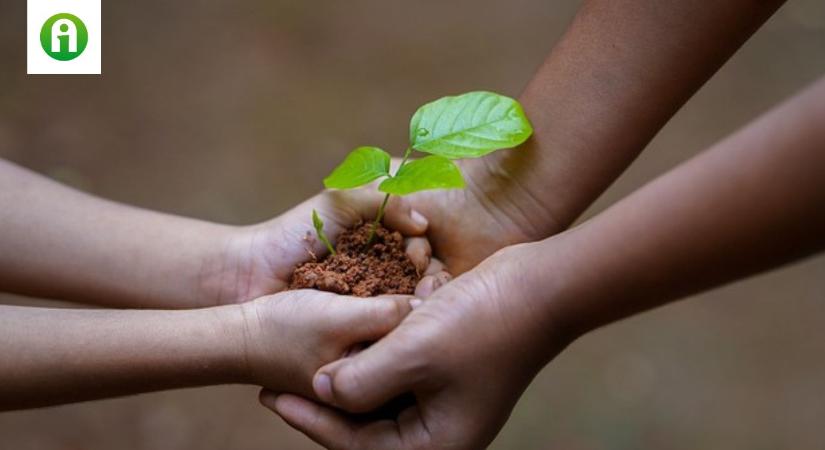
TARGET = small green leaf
(319,230)
(362,165)
(469,125)
(317,222)
(431,172)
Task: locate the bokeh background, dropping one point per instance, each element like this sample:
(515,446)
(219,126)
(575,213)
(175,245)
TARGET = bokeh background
(234,110)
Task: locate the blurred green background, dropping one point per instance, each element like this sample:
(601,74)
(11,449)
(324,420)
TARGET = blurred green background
(234,110)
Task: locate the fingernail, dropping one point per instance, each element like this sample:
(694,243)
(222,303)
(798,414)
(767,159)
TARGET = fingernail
(441,279)
(415,302)
(419,220)
(424,288)
(322,384)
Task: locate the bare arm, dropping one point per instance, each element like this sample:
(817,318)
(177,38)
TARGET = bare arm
(617,76)
(621,70)
(54,356)
(60,243)
(752,202)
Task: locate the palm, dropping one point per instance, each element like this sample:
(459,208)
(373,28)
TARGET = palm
(260,259)
(462,231)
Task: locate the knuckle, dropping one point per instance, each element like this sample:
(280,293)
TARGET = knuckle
(400,204)
(348,387)
(416,360)
(389,313)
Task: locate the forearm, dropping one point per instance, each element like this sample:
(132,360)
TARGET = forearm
(60,243)
(752,202)
(622,69)
(54,356)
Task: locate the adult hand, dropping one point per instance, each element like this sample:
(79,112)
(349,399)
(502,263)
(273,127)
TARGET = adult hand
(467,353)
(493,211)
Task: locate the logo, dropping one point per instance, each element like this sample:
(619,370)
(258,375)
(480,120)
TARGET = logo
(64,37)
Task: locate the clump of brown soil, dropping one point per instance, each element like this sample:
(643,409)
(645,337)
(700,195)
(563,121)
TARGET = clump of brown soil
(360,269)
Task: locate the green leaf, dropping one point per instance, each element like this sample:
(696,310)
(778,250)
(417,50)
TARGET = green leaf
(469,125)
(362,165)
(317,222)
(319,230)
(431,172)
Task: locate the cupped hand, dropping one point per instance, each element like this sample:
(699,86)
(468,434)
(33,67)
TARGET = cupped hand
(493,211)
(288,336)
(258,260)
(462,227)
(466,353)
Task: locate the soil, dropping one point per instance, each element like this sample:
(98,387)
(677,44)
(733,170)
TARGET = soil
(361,270)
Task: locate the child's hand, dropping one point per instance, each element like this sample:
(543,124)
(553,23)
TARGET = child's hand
(70,355)
(288,336)
(258,260)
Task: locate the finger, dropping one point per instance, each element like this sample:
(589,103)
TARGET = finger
(354,350)
(425,287)
(442,278)
(369,319)
(400,216)
(329,427)
(435,266)
(319,423)
(370,379)
(431,283)
(419,251)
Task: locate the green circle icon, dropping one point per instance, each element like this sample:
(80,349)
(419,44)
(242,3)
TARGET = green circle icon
(64,37)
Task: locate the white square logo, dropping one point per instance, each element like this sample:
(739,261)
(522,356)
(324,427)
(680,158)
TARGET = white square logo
(64,37)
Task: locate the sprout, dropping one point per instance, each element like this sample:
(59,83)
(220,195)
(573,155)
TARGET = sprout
(464,126)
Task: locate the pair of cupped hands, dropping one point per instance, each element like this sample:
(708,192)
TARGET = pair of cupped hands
(465,348)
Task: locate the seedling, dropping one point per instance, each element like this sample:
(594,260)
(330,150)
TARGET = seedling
(319,229)
(470,125)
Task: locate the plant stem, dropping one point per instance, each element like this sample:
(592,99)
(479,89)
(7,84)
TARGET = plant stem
(407,154)
(378,219)
(380,214)
(326,242)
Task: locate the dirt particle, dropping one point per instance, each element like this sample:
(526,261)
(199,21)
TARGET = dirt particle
(357,269)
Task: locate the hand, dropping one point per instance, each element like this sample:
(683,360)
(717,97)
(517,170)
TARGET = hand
(288,336)
(493,211)
(258,260)
(467,354)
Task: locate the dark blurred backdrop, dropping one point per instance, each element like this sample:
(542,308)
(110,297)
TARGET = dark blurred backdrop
(234,110)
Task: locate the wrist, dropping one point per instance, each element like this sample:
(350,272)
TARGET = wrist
(230,325)
(268,356)
(223,278)
(500,183)
(527,290)
(511,294)
(566,276)
(177,260)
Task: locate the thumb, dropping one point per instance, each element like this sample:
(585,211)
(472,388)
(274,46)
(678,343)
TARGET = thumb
(368,380)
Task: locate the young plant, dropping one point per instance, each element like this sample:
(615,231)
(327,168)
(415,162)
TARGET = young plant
(319,230)
(470,125)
